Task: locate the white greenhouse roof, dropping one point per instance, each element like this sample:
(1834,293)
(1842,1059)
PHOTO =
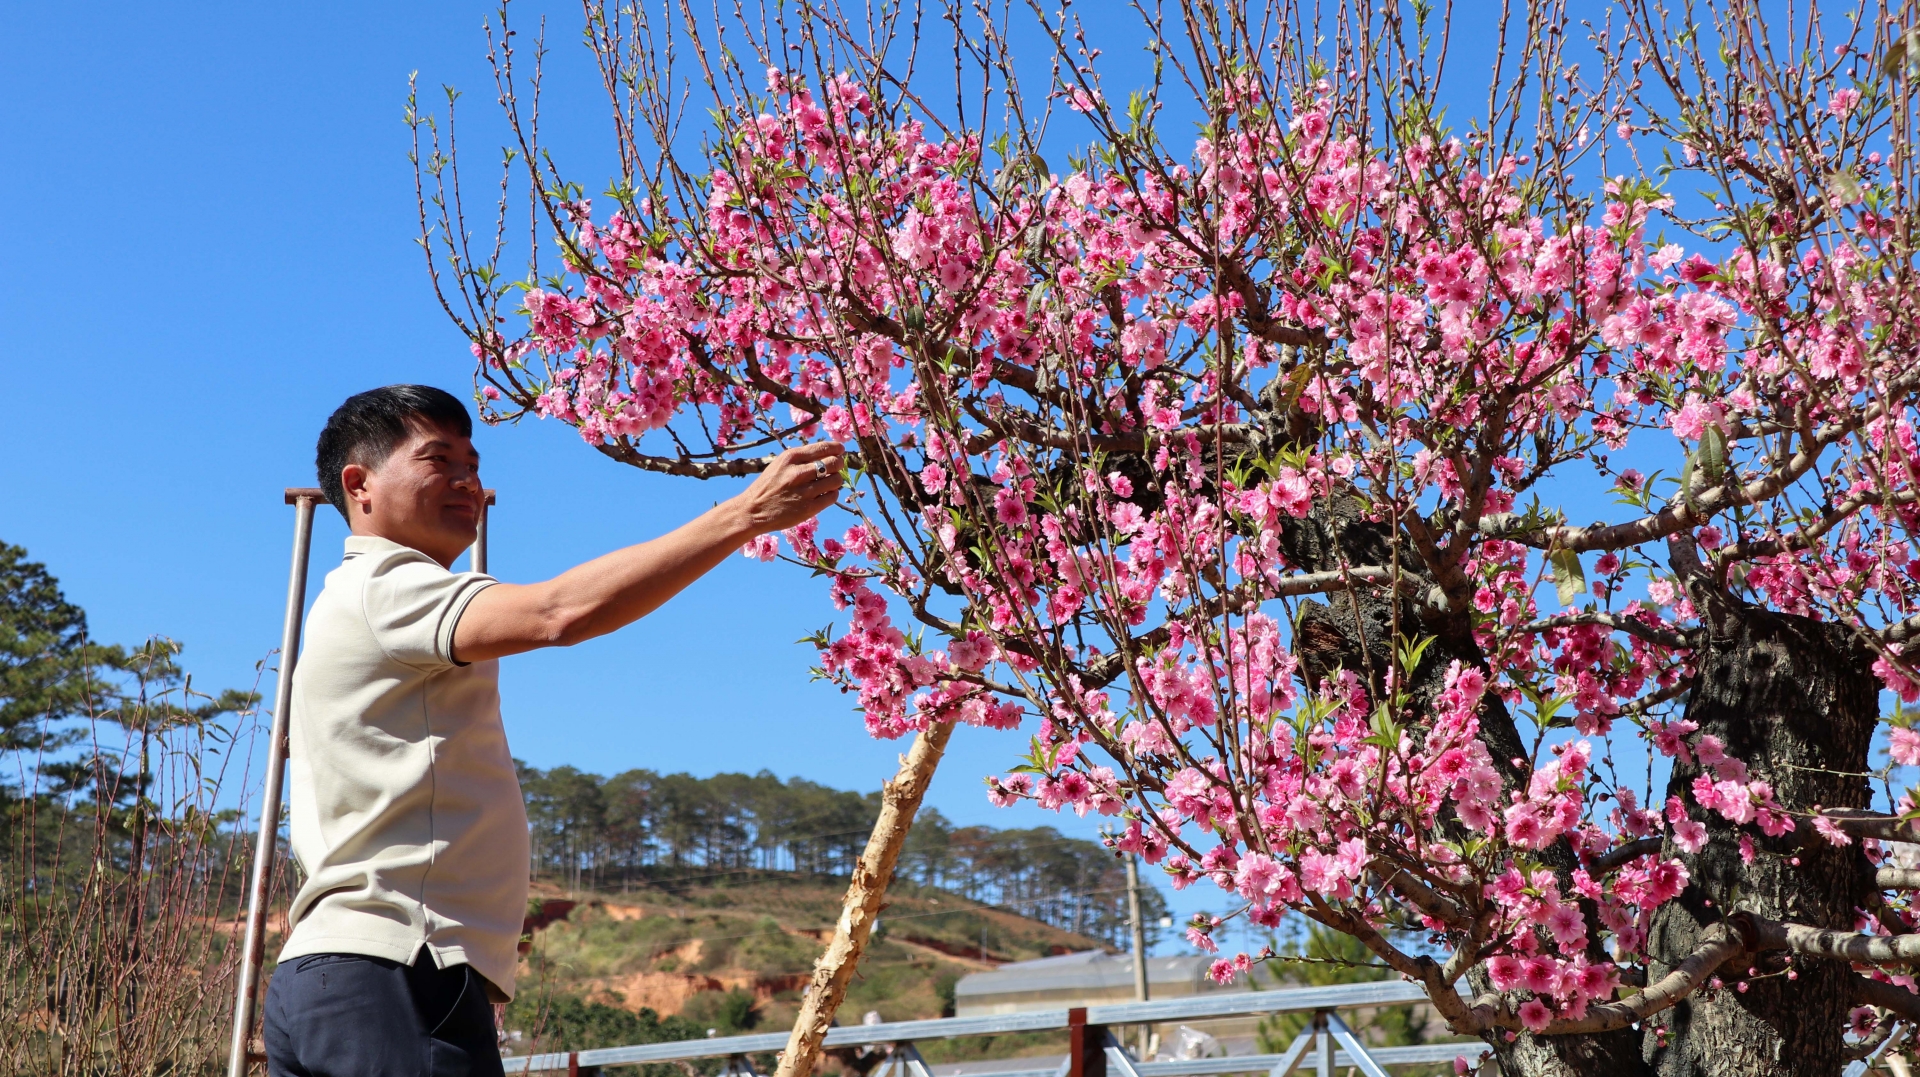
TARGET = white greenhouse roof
(1087,970)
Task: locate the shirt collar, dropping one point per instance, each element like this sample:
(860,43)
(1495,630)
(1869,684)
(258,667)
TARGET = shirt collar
(359,544)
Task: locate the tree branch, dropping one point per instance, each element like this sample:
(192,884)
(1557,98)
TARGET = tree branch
(1849,946)
(1655,635)
(1901,631)
(1417,893)
(1614,859)
(1902,1002)
(1107,668)
(1868,824)
(737,468)
(1718,944)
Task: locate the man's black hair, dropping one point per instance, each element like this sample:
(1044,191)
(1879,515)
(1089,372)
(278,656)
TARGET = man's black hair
(369,426)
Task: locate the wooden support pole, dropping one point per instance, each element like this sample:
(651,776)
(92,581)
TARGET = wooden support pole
(1086,1045)
(866,896)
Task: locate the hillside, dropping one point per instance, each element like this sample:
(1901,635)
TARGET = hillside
(735,954)
(640,828)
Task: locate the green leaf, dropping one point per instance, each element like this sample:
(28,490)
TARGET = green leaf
(1902,53)
(1713,454)
(1569,579)
(1412,652)
(1842,187)
(1547,711)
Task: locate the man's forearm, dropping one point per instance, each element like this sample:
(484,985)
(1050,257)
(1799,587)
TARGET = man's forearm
(600,596)
(618,589)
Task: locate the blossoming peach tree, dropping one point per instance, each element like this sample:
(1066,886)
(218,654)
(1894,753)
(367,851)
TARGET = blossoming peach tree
(1245,473)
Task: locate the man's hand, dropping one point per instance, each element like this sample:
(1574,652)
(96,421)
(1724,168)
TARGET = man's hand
(796,486)
(618,589)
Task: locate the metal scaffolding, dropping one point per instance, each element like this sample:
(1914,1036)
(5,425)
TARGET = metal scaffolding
(1327,1043)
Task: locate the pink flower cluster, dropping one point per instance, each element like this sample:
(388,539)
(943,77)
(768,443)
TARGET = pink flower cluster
(1105,417)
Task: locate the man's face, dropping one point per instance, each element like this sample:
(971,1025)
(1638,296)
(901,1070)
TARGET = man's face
(426,495)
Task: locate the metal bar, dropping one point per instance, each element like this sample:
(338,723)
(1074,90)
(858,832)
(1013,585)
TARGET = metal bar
(1228,1004)
(253,948)
(1223,1004)
(1265,1064)
(1286,1063)
(1355,1049)
(1262,1065)
(479,552)
(907,1057)
(1323,1062)
(1119,1062)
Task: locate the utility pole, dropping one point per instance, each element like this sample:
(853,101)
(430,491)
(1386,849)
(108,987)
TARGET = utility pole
(1139,945)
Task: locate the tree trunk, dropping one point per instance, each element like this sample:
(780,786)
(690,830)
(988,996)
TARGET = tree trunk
(1796,700)
(1602,1054)
(866,896)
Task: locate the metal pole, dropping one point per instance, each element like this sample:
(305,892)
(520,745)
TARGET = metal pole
(479,553)
(1323,1042)
(1139,945)
(254,947)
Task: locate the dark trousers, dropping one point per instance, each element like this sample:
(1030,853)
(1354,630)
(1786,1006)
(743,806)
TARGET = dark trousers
(346,1015)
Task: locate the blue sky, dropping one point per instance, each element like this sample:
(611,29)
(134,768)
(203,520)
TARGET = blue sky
(209,227)
(210,230)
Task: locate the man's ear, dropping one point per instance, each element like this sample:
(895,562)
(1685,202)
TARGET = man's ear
(353,482)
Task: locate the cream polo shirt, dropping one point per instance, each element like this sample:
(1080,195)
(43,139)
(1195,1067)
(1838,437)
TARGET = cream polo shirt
(406,812)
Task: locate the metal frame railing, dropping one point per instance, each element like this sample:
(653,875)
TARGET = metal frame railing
(1093,1050)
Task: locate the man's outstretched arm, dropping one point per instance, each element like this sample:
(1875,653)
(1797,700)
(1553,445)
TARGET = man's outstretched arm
(618,589)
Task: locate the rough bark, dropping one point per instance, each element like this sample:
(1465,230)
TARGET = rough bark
(1354,630)
(866,896)
(1796,700)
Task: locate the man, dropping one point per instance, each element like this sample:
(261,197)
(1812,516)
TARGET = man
(406,814)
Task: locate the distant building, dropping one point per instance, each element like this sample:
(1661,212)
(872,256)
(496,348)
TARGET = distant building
(1088,978)
(1094,978)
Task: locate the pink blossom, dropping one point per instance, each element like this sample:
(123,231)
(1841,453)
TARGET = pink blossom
(1539,974)
(1568,927)
(1257,875)
(1505,972)
(1693,418)
(1688,834)
(1903,746)
(1665,880)
(1831,831)
(762,547)
(1527,826)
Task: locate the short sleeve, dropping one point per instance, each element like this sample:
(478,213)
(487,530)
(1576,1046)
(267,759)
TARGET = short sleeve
(412,606)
